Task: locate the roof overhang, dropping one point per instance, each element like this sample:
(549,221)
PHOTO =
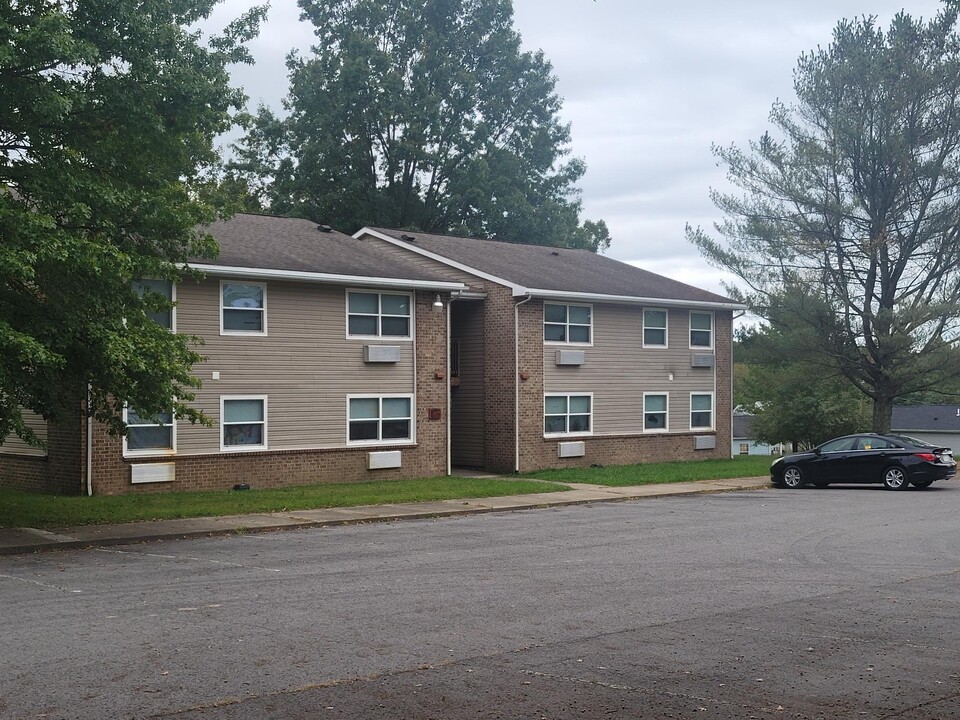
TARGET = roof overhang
(328,278)
(626,299)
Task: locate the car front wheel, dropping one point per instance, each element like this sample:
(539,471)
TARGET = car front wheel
(895,478)
(793,477)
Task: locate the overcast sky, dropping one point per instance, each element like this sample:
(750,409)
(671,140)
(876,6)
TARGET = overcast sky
(647,88)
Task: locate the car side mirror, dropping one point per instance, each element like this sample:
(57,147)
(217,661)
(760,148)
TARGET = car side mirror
(816,451)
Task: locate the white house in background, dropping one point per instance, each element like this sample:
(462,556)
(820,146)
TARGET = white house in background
(936,424)
(743,442)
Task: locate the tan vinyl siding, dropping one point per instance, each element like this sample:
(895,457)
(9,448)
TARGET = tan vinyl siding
(619,370)
(305,365)
(13,445)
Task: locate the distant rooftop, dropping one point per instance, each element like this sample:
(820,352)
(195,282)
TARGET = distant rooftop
(943,418)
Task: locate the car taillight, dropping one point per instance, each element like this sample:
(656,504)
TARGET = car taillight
(929,457)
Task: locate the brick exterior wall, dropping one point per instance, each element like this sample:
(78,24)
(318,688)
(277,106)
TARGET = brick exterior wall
(284,468)
(537,453)
(499,378)
(61,471)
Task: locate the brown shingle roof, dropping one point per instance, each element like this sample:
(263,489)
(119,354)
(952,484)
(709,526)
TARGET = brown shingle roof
(278,243)
(292,244)
(559,269)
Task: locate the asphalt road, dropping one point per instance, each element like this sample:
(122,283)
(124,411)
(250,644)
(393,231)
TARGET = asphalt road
(837,603)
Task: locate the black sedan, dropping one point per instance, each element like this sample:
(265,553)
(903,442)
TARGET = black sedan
(894,460)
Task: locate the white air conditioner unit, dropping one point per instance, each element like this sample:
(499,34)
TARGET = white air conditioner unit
(704,442)
(152,472)
(702,360)
(383,460)
(571,357)
(571,449)
(381,353)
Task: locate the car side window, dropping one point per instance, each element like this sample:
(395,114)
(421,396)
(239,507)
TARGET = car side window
(875,444)
(839,445)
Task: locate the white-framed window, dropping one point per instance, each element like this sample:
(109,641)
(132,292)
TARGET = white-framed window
(571,324)
(568,414)
(379,419)
(149,437)
(701,411)
(243,308)
(656,417)
(243,422)
(744,448)
(701,330)
(167,317)
(379,314)
(654,327)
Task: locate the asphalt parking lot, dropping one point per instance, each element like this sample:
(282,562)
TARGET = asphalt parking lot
(836,603)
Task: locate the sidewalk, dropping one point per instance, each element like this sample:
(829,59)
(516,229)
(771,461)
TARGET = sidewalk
(23,540)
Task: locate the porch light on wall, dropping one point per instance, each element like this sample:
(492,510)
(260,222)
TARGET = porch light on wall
(438,303)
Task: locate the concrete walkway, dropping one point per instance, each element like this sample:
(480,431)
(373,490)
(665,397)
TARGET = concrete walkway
(23,540)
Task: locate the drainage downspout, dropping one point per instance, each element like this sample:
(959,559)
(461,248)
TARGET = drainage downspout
(89,447)
(516,382)
(733,317)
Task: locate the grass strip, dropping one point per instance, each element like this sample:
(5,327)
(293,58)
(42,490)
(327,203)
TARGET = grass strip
(656,473)
(20,509)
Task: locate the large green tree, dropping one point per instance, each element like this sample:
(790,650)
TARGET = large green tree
(852,205)
(108,113)
(797,393)
(421,114)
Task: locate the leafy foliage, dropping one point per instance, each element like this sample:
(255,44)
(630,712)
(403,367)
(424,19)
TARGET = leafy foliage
(853,208)
(108,113)
(796,396)
(422,115)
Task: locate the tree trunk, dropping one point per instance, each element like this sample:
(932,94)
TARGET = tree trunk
(882,412)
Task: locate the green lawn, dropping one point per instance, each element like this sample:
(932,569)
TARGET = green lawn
(654,473)
(19,509)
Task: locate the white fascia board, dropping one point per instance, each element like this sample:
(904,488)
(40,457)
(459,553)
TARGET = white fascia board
(351,280)
(627,299)
(514,288)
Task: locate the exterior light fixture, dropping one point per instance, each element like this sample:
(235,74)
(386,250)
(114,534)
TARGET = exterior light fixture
(438,303)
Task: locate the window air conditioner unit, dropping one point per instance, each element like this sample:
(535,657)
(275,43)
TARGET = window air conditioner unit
(381,353)
(704,442)
(570,357)
(571,449)
(702,360)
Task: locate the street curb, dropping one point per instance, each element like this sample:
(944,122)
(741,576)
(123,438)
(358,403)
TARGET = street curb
(292,523)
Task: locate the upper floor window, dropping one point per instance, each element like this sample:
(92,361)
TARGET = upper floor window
(655,328)
(701,330)
(373,314)
(387,419)
(243,308)
(163,288)
(147,436)
(565,414)
(701,411)
(567,323)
